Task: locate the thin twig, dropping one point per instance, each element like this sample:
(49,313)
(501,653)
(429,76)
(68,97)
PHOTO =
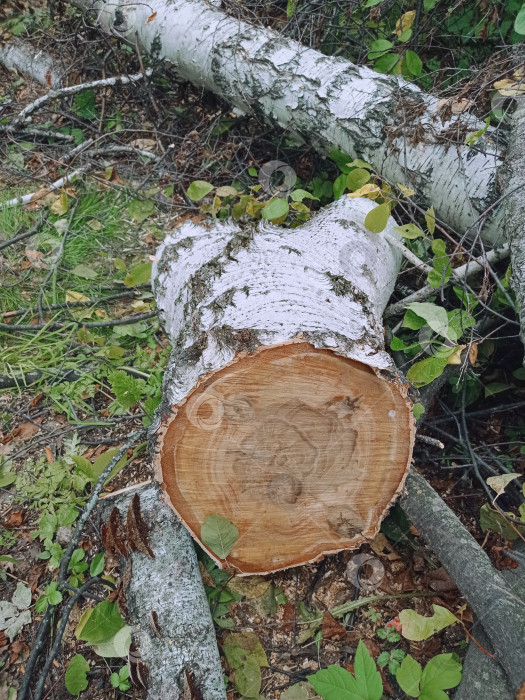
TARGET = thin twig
(459,274)
(55,264)
(55,325)
(27,234)
(74,89)
(40,194)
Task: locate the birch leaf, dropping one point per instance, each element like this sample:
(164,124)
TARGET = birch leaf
(219,534)
(377,219)
(498,483)
(416,627)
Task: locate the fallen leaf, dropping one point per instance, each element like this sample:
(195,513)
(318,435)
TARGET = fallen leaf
(144,144)
(382,547)
(332,629)
(49,454)
(72,296)
(440,580)
(249,586)
(499,483)
(60,204)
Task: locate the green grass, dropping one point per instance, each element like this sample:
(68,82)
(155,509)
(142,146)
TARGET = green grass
(101,230)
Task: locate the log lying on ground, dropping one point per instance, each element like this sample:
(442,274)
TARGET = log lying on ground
(514,171)
(499,610)
(327,101)
(482,675)
(39,65)
(163,596)
(282,411)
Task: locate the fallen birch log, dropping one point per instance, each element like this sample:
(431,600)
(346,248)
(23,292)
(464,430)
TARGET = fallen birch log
(496,604)
(282,411)
(162,597)
(326,101)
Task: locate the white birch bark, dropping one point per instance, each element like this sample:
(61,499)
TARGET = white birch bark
(39,65)
(325,101)
(222,288)
(167,606)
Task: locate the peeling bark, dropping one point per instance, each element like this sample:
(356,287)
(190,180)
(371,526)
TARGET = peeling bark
(325,101)
(166,603)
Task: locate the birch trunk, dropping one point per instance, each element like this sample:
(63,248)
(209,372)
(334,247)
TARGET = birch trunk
(325,101)
(515,208)
(164,599)
(282,411)
(39,65)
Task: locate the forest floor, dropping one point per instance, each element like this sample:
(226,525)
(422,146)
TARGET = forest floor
(81,360)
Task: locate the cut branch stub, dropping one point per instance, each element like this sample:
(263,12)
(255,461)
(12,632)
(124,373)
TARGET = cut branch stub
(297,430)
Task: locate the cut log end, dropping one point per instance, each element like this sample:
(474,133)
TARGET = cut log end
(303,450)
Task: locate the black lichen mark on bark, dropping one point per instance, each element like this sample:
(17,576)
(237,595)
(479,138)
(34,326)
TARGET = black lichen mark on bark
(242,339)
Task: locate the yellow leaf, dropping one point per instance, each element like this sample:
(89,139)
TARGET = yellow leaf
(405,22)
(72,296)
(455,358)
(505,83)
(60,204)
(406,190)
(430,218)
(364,191)
(94,224)
(100,313)
(498,483)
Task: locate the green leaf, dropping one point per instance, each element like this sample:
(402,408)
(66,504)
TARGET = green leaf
(519,22)
(492,519)
(493,388)
(341,160)
(199,189)
(368,678)
(139,274)
(416,627)
(409,675)
(97,564)
(248,678)
(435,316)
(76,675)
(84,105)
(219,535)
(357,178)
(430,219)
(299,195)
(339,185)
(372,3)
(386,63)
(120,264)
(275,209)
(7,478)
(418,409)
(252,172)
(441,672)
(413,321)
(377,219)
(426,370)
(141,209)
(379,47)
(335,683)
(117,646)
(127,389)
(103,623)
(410,231)
(413,63)
(84,271)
